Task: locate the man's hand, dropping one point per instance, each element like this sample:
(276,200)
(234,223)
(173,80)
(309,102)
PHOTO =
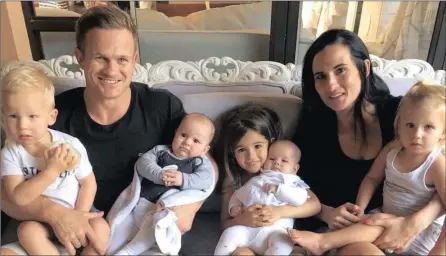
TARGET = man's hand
(399,232)
(270,188)
(73,230)
(172,178)
(59,159)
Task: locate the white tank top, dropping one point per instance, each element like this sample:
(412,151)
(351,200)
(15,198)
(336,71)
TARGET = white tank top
(406,193)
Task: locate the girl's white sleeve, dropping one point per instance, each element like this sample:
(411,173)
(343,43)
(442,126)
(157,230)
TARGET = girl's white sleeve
(292,194)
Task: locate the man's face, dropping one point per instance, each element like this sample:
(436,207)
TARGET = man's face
(108,58)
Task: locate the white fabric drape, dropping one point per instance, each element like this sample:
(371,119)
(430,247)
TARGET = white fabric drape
(319,17)
(409,33)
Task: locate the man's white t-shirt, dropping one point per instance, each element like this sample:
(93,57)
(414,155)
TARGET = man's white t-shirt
(64,190)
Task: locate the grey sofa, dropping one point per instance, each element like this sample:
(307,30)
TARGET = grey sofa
(212,86)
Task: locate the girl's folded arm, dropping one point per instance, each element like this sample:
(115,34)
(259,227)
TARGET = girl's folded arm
(310,208)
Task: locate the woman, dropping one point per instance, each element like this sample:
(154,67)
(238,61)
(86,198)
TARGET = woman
(351,111)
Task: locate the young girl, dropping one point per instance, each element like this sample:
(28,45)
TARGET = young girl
(414,170)
(248,130)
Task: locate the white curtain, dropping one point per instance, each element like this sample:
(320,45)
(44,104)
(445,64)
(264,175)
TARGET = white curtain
(409,33)
(319,17)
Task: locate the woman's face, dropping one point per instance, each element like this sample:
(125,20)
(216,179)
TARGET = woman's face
(336,77)
(251,151)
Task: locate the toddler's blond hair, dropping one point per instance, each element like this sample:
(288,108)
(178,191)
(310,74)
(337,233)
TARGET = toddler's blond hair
(424,94)
(28,77)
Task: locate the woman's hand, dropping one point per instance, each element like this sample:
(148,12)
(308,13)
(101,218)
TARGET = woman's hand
(257,215)
(398,234)
(341,217)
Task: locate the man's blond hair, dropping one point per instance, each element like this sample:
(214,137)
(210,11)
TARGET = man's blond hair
(28,77)
(104,17)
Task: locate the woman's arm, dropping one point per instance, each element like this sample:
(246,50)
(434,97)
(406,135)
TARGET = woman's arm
(401,231)
(440,246)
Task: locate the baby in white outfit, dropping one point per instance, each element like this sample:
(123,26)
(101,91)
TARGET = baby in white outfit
(276,185)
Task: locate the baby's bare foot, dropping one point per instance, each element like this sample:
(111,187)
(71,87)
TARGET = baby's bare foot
(313,242)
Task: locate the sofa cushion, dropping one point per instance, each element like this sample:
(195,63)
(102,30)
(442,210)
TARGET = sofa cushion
(203,236)
(62,84)
(399,86)
(214,104)
(181,89)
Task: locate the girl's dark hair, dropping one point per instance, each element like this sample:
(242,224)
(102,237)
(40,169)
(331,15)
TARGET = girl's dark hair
(373,88)
(235,123)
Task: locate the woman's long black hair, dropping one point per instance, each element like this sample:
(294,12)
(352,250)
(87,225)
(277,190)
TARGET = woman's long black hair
(373,88)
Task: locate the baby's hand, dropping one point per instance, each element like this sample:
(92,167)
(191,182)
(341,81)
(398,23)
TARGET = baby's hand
(270,188)
(59,159)
(159,206)
(172,178)
(236,210)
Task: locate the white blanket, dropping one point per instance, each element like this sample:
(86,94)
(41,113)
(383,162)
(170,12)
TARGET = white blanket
(128,199)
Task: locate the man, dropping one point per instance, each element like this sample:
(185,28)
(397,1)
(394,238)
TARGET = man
(114,118)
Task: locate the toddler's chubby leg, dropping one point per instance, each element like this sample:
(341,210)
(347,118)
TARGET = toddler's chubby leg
(102,231)
(35,239)
(234,237)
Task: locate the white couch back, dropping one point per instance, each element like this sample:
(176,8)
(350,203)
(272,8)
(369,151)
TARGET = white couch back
(213,85)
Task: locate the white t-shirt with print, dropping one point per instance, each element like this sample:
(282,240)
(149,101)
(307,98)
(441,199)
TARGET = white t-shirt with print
(64,190)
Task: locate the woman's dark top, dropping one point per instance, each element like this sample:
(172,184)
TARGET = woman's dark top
(332,176)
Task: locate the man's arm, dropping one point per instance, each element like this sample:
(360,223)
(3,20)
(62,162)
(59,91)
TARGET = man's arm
(186,213)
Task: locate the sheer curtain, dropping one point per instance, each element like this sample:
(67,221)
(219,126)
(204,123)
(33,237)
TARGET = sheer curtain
(318,17)
(408,34)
